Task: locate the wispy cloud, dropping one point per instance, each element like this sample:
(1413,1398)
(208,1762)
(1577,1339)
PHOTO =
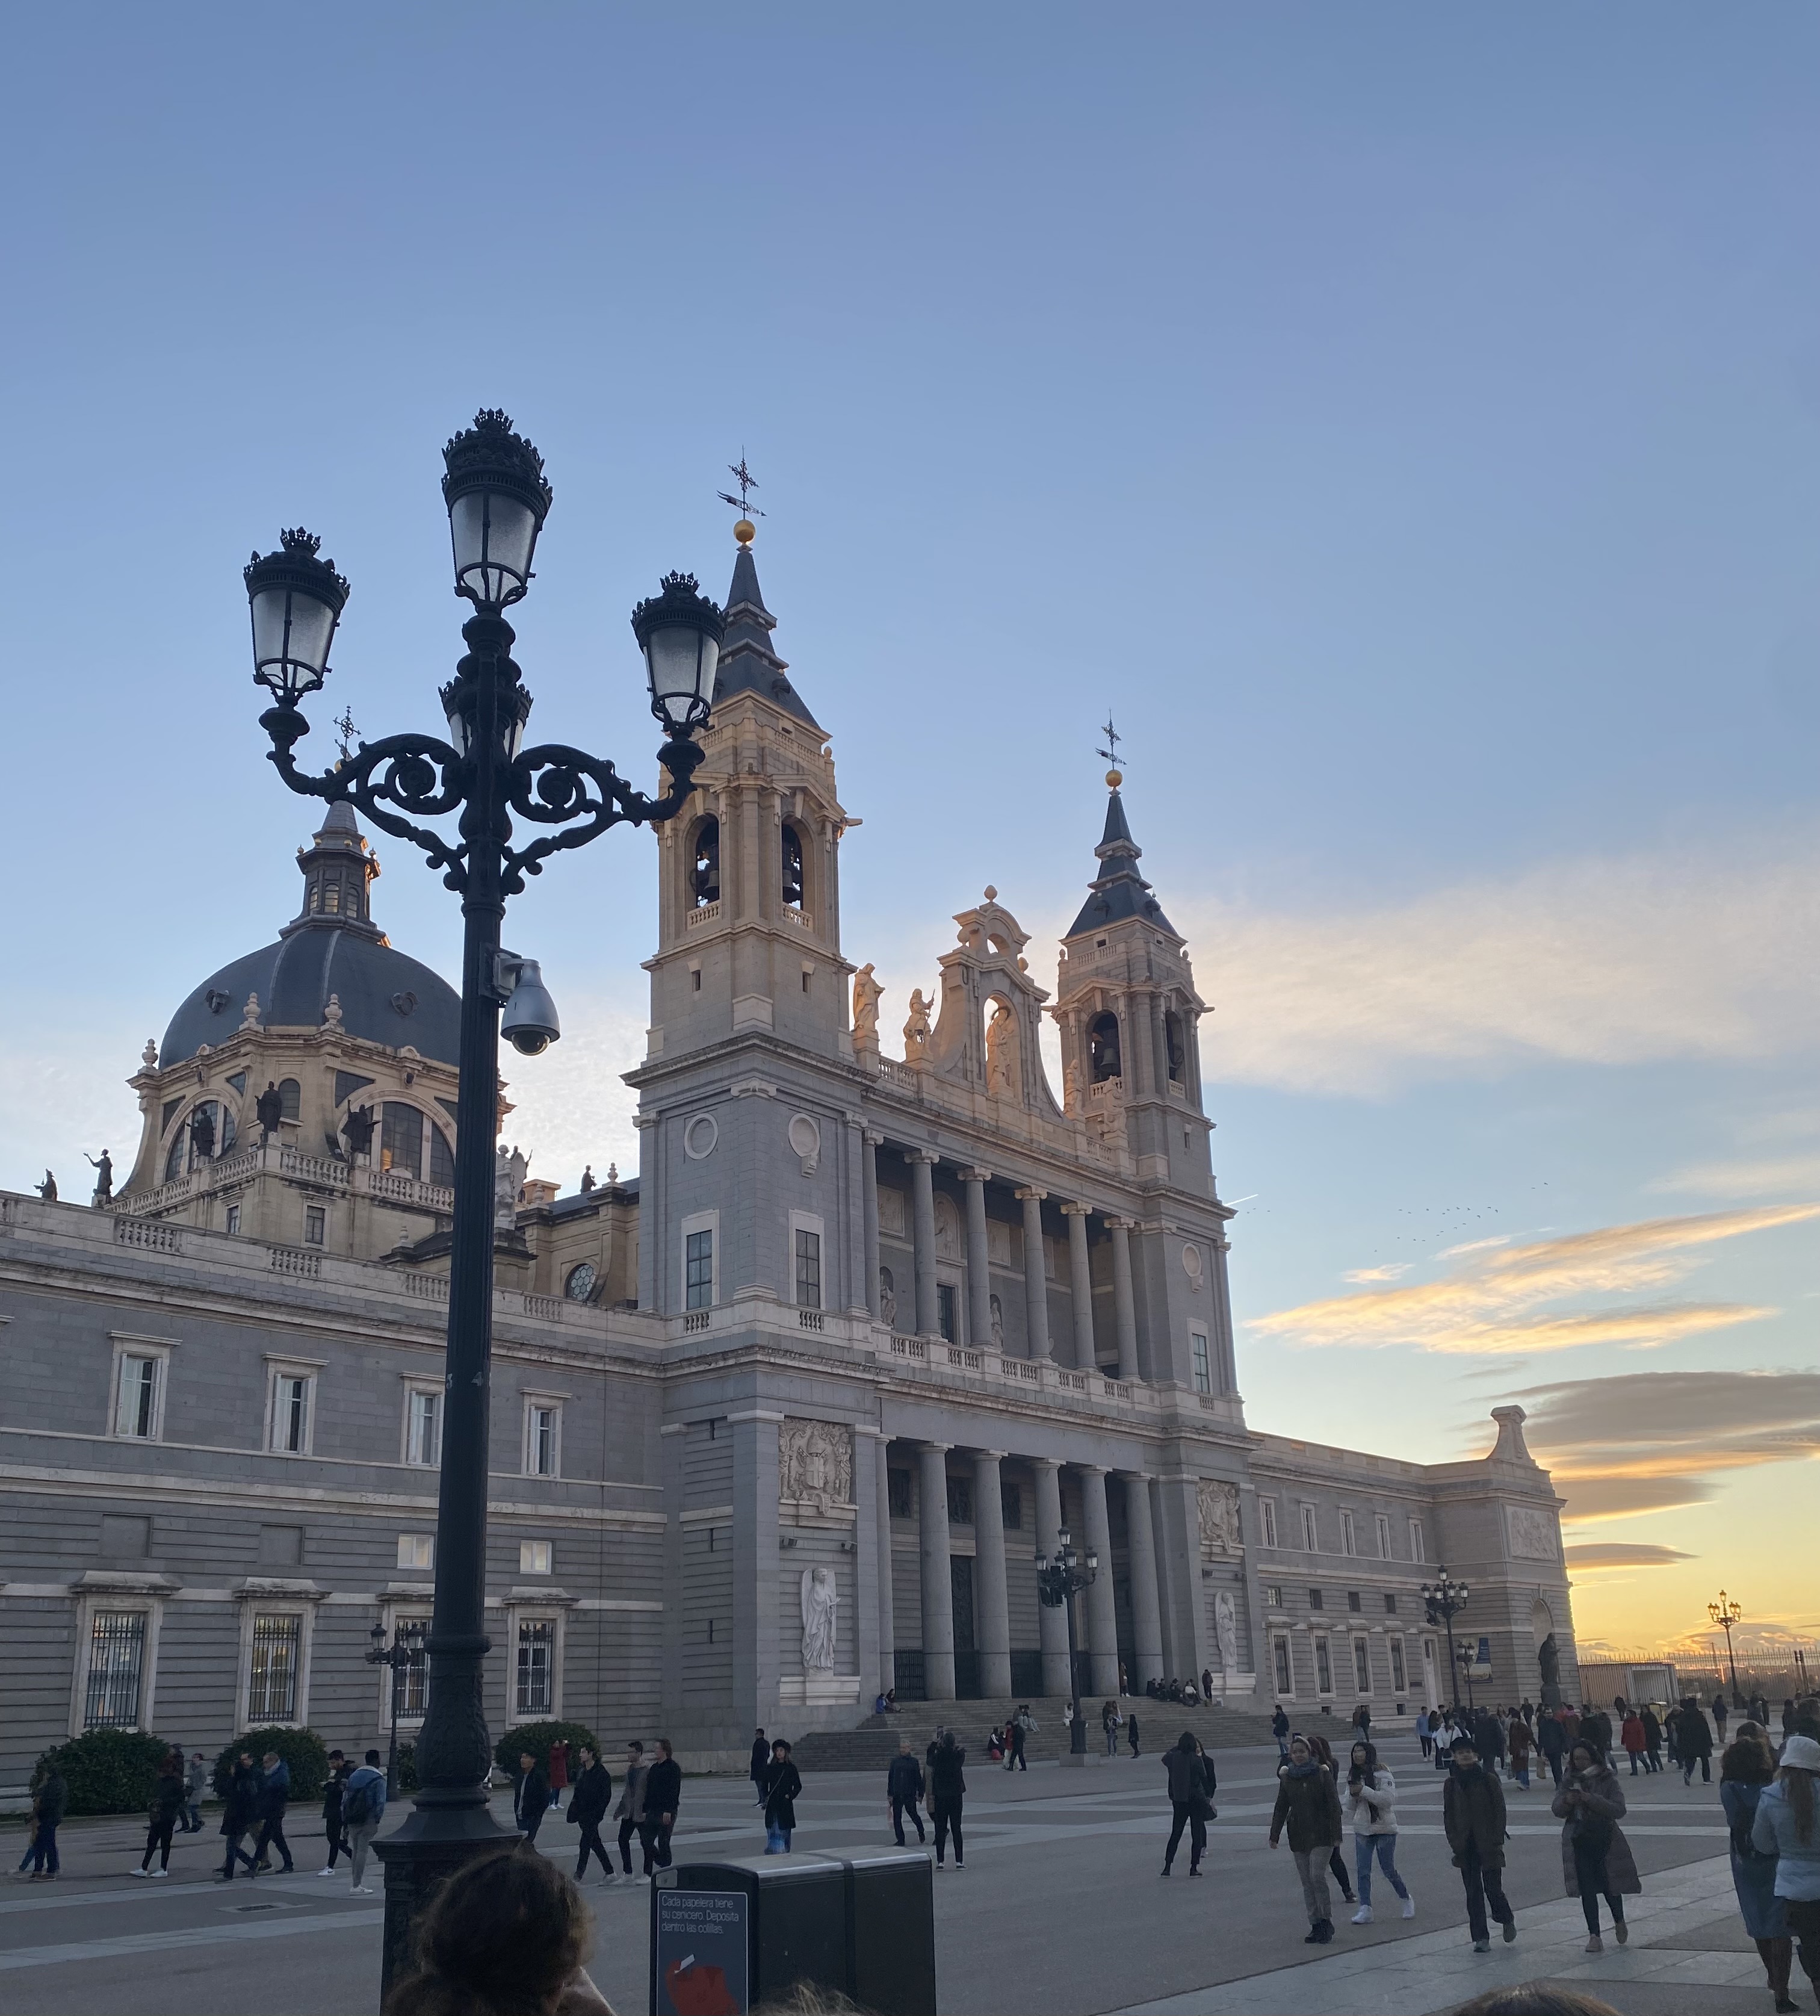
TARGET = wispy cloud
(1763,1177)
(1394,1271)
(1602,961)
(1621,1554)
(1498,1300)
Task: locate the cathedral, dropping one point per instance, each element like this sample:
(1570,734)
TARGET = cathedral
(782,1421)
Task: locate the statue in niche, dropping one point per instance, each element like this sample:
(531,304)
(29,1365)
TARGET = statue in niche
(104,1177)
(866,995)
(48,1189)
(820,1601)
(997,1323)
(268,1110)
(815,1464)
(1002,1052)
(1226,1630)
(918,1030)
(1070,1087)
(1219,1515)
(357,1131)
(1548,1657)
(887,1298)
(509,1170)
(201,1134)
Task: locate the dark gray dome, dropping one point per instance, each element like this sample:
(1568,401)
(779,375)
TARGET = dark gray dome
(386,996)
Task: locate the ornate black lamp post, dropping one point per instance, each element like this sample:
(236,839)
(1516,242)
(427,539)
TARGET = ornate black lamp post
(1446,1599)
(1725,1613)
(1059,1580)
(398,1655)
(498,499)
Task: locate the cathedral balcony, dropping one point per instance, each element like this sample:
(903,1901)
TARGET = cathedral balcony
(702,914)
(319,1172)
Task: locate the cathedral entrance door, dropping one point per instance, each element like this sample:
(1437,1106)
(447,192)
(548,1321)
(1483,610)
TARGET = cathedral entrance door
(966,1649)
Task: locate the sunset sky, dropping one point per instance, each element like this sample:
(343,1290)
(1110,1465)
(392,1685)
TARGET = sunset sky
(1403,419)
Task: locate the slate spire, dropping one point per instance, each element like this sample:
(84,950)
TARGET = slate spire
(748,663)
(1118,891)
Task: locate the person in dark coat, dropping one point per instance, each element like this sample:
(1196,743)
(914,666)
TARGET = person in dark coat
(532,1800)
(240,1814)
(1279,1728)
(1693,1736)
(1596,1728)
(904,1786)
(1308,1804)
(1322,1752)
(167,1809)
(760,1764)
(332,1792)
(1551,1740)
(1191,1799)
(1747,1766)
(1652,1739)
(1472,1809)
(1131,1734)
(663,1795)
(587,1805)
(1596,1858)
(49,1804)
(947,1787)
(274,1793)
(782,1782)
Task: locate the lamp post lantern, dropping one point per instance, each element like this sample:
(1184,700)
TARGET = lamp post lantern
(1446,1599)
(1725,1613)
(397,1656)
(497,498)
(1059,1580)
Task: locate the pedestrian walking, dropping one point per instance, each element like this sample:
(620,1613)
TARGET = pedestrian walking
(1189,1778)
(760,1765)
(1308,1804)
(1473,1811)
(1421,1734)
(1443,1738)
(1635,1744)
(49,1804)
(782,1784)
(334,1787)
(1024,1725)
(948,1789)
(1652,1739)
(531,1800)
(1719,1713)
(274,1792)
(1787,1826)
(240,1814)
(1521,1745)
(662,1796)
(1110,1722)
(1371,1812)
(1596,1858)
(1279,1728)
(1551,1740)
(587,1805)
(196,1782)
(558,1769)
(1693,1736)
(630,1812)
(1323,1754)
(904,1786)
(1131,1734)
(165,1808)
(363,1806)
(1746,1770)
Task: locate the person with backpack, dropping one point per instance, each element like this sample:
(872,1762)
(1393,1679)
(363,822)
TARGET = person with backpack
(663,1795)
(1746,1768)
(1370,1810)
(1189,1778)
(782,1783)
(274,1792)
(1596,1858)
(363,1806)
(630,1812)
(947,1787)
(587,1805)
(166,1809)
(1308,1804)
(904,1786)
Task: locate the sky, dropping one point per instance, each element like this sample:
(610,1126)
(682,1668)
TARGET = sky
(1403,420)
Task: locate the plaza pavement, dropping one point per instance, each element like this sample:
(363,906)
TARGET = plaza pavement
(1059,1909)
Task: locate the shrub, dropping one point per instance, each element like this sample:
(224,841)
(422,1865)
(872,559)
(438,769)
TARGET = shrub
(537,1737)
(107,1770)
(302,1749)
(407,1767)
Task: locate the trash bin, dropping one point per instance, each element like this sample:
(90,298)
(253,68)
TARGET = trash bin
(725,1935)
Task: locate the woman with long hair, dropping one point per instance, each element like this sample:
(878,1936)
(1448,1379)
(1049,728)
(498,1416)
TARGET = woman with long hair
(1371,1807)
(1787,1827)
(1596,1858)
(1745,1770)
(1190,1801)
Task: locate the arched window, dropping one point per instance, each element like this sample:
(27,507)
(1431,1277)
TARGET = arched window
(400,1138)
(1102,1048)
(1172,1036)
(793,866)
(441,1159)
(704,873)
(291,1098)
(174,1160)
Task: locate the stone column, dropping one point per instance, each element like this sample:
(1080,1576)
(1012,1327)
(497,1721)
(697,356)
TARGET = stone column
(991,1607)
(869,1461)
(922,1187)
(887,1616)
(1052,1625)
(978,1262)
(1146,1605)
(1036,1286)
(1102,1630)
(868,1165)
(1080,1283)
(938,1594)
(1125,1302)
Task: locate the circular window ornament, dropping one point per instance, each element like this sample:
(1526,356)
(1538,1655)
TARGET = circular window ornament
(699,1135)
(805,1142)
(1192,1264)
(579,1284)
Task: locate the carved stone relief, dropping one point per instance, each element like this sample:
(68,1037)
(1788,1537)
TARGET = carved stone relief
(1532,1534)
(1219,1511)
(815,1464)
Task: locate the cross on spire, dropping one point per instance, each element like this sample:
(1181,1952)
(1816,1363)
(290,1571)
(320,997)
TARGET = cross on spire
(1110,752)
(746,481)
(345,733)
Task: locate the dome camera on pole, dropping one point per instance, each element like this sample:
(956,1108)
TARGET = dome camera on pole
(529,1024)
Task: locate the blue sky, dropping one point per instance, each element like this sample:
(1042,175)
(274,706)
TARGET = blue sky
(1404,419)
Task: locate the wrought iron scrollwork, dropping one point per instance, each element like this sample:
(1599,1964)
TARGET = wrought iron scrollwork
(554,785)
(416,773)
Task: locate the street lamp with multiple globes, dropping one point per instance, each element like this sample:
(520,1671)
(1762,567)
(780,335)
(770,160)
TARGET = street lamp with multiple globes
(1060,1579)
(397,1656)
(1725,1613)
(498,498)
(1446,1599)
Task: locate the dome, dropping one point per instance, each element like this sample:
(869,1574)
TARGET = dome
(332,947)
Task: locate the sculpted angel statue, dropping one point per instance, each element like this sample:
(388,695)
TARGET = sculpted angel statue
(820,1601)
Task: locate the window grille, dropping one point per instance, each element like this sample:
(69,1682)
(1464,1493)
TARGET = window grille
(808,1270)
(116,1656)
(271,1688)
(414,1679)
(699,1264)
(536,1654)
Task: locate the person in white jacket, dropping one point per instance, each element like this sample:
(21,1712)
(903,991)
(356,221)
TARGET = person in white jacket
(1370,1808)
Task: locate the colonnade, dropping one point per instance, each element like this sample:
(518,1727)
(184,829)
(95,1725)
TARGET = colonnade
(1078,1350)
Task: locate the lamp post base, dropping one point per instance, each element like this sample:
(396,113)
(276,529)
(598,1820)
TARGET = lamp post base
(432,1845)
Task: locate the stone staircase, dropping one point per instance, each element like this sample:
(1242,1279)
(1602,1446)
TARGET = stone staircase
(872,1743)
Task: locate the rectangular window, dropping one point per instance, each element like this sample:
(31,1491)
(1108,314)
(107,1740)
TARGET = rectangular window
(1273,1594)
(116,1658)
(417,1550)
(540,1427)
(1362,1663)
(1384,1538)
(1197,1345)
(1267,1507)
(808,1270)
(1311,1539)
(272,1685)
(233,1218)
(1399,1674)
(1011,1507)
(901,1491)
(948,1309)
(1415,1548)
(1354,1601)
(1389,1605)
(1280,1657)
(423,1428)
(136,1408)
(413,1680)
(1348,1534)
(536,1657)
(699,1270)
(292,1395)
(1323,1667)
(533,1557)
(315,1219)
(960,1502)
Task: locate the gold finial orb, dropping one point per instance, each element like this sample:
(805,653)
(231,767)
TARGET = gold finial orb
(1114,779)
(745,532)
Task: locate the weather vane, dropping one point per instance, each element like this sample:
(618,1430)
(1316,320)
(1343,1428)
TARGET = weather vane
(345,731)
(744,477)
(1110,752)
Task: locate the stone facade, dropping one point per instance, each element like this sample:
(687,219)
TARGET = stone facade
(783,1421)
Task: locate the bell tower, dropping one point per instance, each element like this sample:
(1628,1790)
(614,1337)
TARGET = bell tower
(749,883)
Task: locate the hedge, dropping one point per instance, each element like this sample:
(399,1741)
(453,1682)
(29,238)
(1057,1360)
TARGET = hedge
(107,1770)
(537,1737)
(302,1749)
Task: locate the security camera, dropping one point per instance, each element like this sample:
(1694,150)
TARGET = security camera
(529,1024)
